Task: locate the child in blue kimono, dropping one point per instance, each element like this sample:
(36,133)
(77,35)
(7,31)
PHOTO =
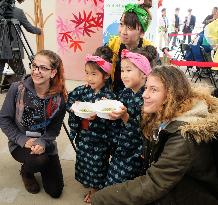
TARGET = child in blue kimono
(126,162)
(91,135)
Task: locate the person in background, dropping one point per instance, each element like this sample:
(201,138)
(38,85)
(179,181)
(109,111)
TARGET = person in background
(211,17)
(163,30)
(211,35)
(92,136)
(194,53)
(31,117)
(189,25)
(133,25)
(12,48)
(175,25)
(126,162)
(178,123)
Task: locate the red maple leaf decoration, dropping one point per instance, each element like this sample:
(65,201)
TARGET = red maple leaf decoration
(66,36)
(95,2)
(76,45)
(87,30)
(78,20)
(86,19)
(86,23)
(98,20)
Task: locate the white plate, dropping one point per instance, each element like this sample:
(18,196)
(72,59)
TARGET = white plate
(104,107)
(83,109)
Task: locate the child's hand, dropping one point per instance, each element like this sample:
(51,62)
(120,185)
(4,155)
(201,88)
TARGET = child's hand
(121,113)
(73,106)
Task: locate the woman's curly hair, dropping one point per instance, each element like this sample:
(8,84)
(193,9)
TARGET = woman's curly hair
(180,98)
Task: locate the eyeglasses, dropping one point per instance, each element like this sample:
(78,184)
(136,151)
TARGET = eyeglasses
(41,68)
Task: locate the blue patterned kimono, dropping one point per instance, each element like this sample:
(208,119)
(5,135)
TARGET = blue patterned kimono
(126,162)
(93,144)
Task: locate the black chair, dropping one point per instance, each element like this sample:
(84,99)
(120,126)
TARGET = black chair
(185,49)
(207,70)
(198,54)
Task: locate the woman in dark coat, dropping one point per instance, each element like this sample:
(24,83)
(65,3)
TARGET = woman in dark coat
(178,124)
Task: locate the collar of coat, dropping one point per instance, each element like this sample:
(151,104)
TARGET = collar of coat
(200,123)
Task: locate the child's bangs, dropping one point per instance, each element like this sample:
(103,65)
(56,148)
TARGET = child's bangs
(131,20)
(94,66)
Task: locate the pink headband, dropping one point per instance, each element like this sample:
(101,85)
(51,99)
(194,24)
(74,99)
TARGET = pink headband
(138,60)
(106,66)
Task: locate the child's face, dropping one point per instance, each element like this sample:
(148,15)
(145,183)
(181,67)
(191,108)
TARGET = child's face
(131,76)
(154,95)
(129,36)
(94,78)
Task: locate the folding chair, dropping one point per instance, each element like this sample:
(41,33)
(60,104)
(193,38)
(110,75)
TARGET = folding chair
(187,55)
(206,57)
(196,55)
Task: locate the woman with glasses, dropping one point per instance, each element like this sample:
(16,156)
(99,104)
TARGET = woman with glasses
(31,118)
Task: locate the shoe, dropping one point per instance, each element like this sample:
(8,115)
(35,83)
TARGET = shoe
(30,182)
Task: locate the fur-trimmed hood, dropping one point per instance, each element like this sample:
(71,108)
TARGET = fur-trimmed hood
(200,123)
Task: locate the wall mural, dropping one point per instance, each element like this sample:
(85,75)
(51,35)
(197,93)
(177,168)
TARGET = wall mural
(40,22)
(79,31)
(79,26)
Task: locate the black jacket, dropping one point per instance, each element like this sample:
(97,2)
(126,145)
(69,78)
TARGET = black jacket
(43,116)
(9,39)
(190,27)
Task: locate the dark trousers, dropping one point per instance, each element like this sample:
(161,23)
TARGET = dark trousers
(174,38)
(189,36)
(48,165)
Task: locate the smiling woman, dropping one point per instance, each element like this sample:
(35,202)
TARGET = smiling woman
(178,124)
(31,117)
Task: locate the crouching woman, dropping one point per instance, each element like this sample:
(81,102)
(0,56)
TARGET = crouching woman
(31,118)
